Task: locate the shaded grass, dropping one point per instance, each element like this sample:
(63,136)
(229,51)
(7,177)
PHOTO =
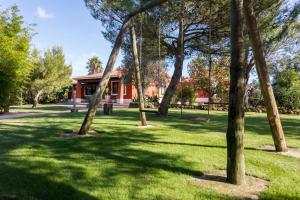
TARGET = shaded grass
(124,162)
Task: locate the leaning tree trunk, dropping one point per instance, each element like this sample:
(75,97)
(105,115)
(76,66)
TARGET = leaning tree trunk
(167,98)
(265,83)
(110,64)
(170,91)
(235,130)
(138,76)
(36,99)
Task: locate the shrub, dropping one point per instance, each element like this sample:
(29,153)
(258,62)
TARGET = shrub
(186,94)
(287,89)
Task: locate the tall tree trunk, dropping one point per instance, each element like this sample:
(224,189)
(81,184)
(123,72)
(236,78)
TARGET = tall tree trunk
(36,99)
(88,120)
(235,130)
(265,83)
(138,76)
(170,91)
(179,58)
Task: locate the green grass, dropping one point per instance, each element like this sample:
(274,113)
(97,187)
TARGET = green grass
(124,162)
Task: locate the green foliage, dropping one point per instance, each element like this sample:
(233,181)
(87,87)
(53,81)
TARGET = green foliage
(153,99)
(186,94)
(56,96)
(254,94)
(219,80)
(14,55)
(51,75)
(106,91)
(94,65)
(287,89)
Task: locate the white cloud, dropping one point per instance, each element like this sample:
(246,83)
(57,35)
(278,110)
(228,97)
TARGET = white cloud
(41,13)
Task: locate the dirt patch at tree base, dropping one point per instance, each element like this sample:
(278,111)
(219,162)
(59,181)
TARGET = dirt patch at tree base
(216,180)
(148,126)
(293,152)
(74,134)
(200,119)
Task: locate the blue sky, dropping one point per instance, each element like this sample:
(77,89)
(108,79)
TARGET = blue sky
(66,23)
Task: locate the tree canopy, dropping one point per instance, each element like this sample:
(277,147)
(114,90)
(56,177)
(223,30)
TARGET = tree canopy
(51,74)
(287,89)
(15,64)
(94,65)
(219,80)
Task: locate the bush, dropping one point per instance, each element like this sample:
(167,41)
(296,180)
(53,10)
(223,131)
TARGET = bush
(153,99)
(287,89)
(15,66)
(186,94)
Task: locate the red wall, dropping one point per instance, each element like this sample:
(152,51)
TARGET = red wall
(151,91)
(201,94)
(130,90)
(79,90)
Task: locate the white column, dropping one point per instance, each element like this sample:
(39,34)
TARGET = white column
(121,100)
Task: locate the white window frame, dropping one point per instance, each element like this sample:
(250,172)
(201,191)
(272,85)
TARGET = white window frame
(111,88)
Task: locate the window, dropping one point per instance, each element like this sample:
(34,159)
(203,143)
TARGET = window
(89,90)
(114,87)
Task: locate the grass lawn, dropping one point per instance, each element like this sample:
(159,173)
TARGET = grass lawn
(125,162)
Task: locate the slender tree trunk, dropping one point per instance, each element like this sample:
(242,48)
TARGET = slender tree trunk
(36,99)
(179,58)
(235,130)
(265,83)
(104,81)
(88,120)
(138,76)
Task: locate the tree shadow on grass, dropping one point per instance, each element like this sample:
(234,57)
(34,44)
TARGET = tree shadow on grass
(256,124)
(112,154)
(19,183)
(109,148)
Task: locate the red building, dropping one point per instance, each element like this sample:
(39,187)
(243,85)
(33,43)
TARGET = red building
(117,91)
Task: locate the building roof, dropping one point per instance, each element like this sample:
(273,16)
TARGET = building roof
(115,74)
(74,82)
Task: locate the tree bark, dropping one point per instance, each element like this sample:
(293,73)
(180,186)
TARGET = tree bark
(235,130)
(179,58)
(136,64)
(88,120)
(36,99)
(265,83)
